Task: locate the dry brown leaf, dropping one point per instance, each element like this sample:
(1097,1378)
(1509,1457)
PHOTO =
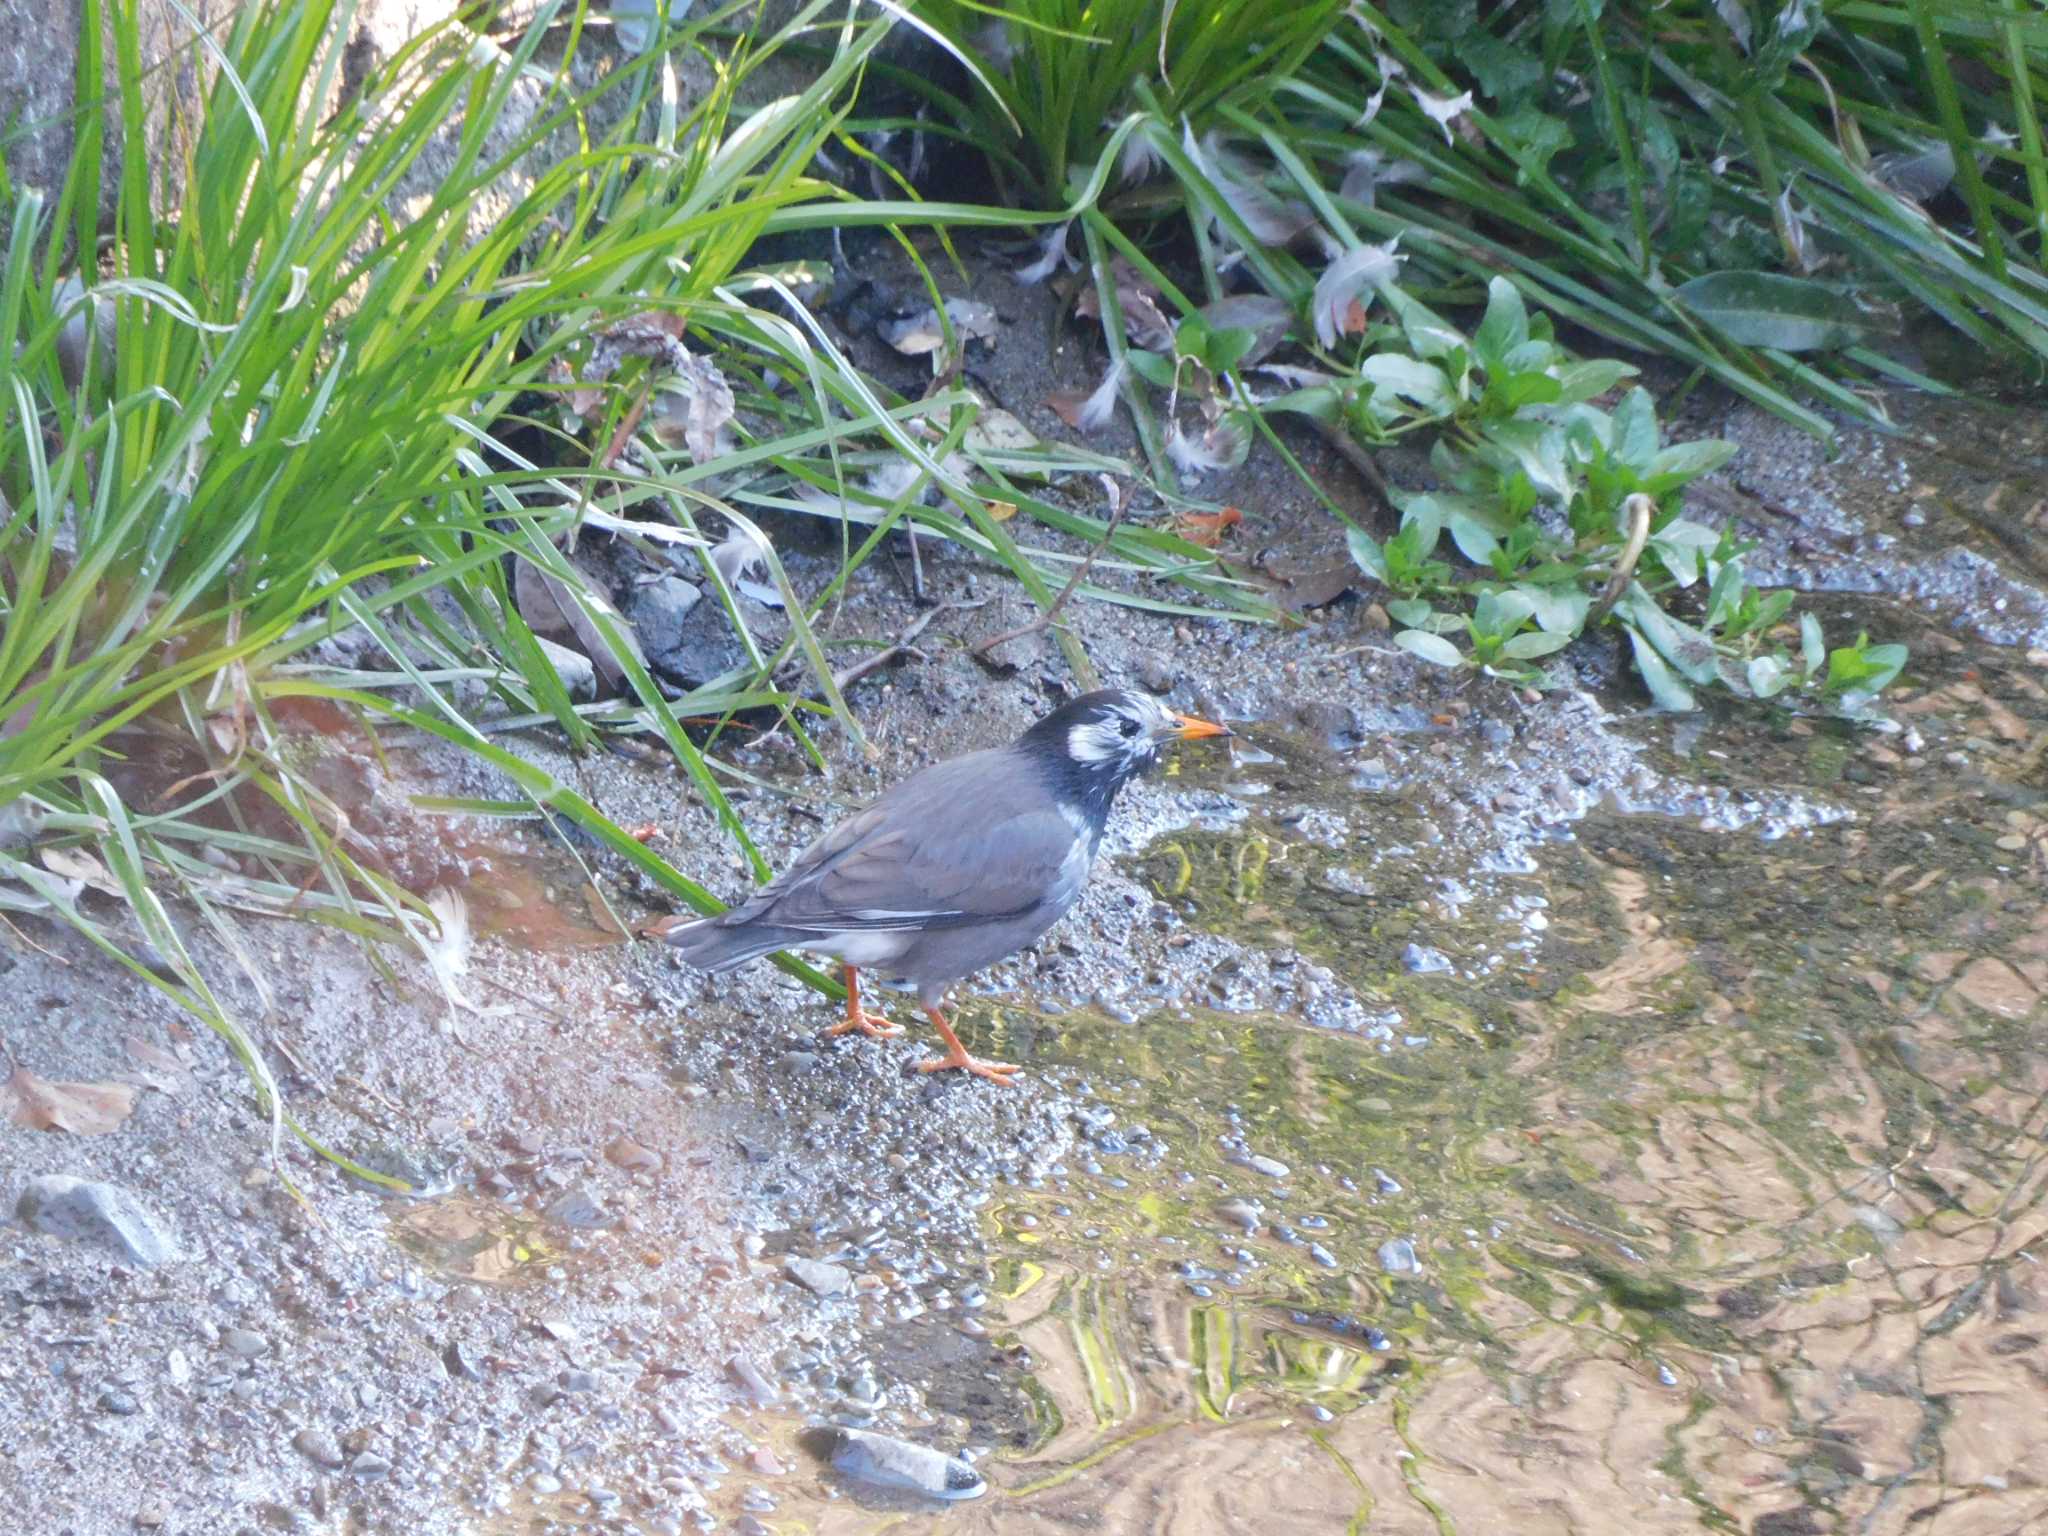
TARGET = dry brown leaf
(81,867)
(84,1109)
(549,609)
(1145,323)
(155,1067)
(1207,528)
(1001,511)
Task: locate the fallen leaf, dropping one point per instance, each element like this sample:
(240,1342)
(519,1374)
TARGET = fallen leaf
(645,832)
(920,333)
(80,867)
(1207,528)
(997,431)
(695,408)
(549,609)
(84,1109)
(1145,323)
(1001,511)
(155,1067)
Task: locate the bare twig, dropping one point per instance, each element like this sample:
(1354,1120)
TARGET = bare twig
(902,645)
(983,651)
(1352,452)
(1639,508)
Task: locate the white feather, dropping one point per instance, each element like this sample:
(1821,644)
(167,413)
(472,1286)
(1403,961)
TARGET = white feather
(1101,405)
(1357,271)
(1052,256)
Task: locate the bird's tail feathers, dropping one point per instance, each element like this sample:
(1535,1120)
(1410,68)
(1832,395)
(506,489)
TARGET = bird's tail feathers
(711,944)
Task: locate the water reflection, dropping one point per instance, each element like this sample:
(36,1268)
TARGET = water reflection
(1719,1207)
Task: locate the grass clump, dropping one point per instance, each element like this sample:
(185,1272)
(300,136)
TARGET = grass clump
(1056,76)
(281,408)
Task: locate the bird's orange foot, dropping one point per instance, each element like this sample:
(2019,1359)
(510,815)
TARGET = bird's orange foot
(995,1071)
(873,1025)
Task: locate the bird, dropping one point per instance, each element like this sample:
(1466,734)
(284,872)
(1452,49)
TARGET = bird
(960,865)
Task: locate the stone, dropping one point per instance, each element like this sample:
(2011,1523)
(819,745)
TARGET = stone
(750,1376)
(883,1461)
(577,1206)
(319,1447)
(817,1276)
(624,1152)
(244,1342)
(59,1205)
(578,674)
(658,612)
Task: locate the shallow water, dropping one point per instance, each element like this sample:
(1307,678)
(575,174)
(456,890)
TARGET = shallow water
(1683,1171)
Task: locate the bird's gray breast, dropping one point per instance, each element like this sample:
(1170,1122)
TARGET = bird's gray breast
(1074,869)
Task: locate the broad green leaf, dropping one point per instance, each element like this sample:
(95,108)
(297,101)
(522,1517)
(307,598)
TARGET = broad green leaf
(1537,449)
(1559,610)
(1506,325)
(1767,675)
(1674,466)
(1366,554)
(1691,652)
(1412,611)
(1429,334)
(1431,648)
(1577,382)
(1864,668)
(1151,367)
(1534,643)
(1681,545)
(1418,382)
(1770,309)
(1502,612)
(1227,348)
(1635,430)
(1664,684)
(1474,539)
(1813,648)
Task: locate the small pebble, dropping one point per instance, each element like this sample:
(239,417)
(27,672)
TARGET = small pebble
(817,1276)
(1397,1256)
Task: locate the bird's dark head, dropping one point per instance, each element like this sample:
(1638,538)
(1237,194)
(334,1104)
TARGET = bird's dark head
(1101,741)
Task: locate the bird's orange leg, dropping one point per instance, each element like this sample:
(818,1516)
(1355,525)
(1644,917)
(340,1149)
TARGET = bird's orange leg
(873,1025)
(958,1059)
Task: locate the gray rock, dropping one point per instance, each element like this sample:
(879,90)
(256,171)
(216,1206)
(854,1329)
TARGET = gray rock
(750,1376)
(1424,961)
(818,1277)
(319,1447)
(370,1465)
(115,1401)
(578,675)
(577,1207)
(459,1363)
(1156,674)
(1271,1167)
(658,612)
(886,1462)
(1397,1256)
(244,1342)
(59,1205)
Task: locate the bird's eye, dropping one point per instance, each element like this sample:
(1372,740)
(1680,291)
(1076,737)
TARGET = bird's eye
(1129,727)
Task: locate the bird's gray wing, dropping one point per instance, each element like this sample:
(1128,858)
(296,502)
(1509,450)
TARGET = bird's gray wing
(966,840)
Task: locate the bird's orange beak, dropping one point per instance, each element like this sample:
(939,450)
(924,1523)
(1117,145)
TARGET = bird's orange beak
(1188,728)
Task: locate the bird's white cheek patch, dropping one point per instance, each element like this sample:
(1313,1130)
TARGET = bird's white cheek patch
(1089,742)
